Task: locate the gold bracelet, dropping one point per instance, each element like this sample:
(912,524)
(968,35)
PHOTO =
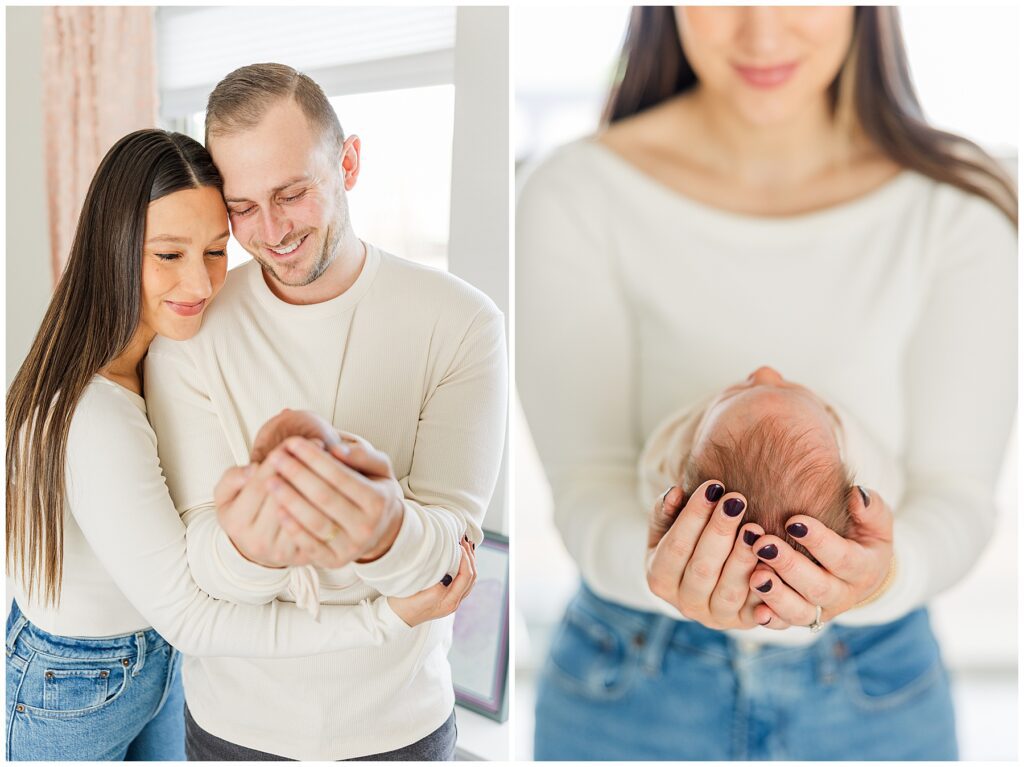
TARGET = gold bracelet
(881,589)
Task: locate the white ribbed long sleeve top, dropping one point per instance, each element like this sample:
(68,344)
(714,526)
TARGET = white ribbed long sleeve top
(125,567)
(633,300)
(413,360)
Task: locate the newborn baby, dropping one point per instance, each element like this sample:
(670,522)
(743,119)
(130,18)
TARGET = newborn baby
(776,442)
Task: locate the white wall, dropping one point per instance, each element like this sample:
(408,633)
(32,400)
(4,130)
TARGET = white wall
(478,235)
(28,241)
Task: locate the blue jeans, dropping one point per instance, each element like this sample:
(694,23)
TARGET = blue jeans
(626,685)
(110,699)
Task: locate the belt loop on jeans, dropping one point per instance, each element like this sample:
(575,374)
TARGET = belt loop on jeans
(659,634)
(12,635)
(140,644)
(830,652)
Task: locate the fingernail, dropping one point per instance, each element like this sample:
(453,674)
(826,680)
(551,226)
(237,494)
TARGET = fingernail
(765,587)
(768,552)
(865,496)
(767,621)
(665,494)
(797,529)
(749,537)
(447,580)
(714,492)
(733,507)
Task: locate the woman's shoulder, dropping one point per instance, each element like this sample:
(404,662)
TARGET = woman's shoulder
(574,166)
(108,418)
(951,215)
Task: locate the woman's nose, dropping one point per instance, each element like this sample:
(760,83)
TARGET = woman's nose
(765,375)
(197,282)
(761,30)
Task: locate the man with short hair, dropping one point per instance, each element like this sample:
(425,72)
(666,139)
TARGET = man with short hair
(409,362)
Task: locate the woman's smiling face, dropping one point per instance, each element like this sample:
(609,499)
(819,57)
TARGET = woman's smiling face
(184,260)
(767,64)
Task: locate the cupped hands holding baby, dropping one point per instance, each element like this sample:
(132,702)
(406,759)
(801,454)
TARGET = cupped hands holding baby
(762,523)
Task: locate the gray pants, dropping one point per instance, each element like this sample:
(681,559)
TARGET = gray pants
(201,746)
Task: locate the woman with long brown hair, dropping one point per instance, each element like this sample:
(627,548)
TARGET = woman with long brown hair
(103,596)
(764,189)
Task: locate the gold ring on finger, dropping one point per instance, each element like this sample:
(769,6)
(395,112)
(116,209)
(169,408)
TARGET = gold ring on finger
(332,534)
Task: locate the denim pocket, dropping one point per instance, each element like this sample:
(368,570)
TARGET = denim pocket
(593,657)
(71,687)
(892,664)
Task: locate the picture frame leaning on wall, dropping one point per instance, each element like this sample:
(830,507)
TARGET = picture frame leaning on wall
(480,638)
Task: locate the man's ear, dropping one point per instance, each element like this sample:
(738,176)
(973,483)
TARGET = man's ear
(350,161)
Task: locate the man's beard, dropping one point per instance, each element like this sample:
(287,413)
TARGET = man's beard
(324,254)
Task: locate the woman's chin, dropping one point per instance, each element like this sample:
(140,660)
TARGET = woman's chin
(180,328)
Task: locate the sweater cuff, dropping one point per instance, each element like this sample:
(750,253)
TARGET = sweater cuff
(390,621)
(908,587)
(396,561)
(248,577)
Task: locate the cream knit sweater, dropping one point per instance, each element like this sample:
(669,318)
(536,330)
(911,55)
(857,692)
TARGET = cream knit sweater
(125,566)
(633,300)
(413,360)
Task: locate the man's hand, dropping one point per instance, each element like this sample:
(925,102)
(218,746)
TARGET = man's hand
(248,515)
(346,499)
(311,495)
(246,511)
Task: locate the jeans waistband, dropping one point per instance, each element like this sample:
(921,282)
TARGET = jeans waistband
(654,633)
(131,648)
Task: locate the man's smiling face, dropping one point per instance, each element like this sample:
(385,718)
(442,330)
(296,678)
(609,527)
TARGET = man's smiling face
(284,186)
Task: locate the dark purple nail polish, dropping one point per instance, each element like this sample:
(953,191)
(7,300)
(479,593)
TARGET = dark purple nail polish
(733,507)
(447,580)
(714,492)
(797,529)
(765,587)
(768,552)
(864,496)
(749,536)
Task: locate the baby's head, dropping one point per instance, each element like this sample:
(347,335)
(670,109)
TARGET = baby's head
(775,442)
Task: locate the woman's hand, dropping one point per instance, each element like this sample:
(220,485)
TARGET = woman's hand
(852,569)
(697,562)
(439,600)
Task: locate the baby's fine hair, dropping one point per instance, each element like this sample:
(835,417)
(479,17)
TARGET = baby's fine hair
(779,473)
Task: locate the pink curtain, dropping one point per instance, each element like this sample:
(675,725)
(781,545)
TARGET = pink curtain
(99,83)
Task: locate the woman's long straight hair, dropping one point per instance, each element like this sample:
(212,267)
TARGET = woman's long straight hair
(92,318)
(873,92)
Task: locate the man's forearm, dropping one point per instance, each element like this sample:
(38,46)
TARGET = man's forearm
(424,551)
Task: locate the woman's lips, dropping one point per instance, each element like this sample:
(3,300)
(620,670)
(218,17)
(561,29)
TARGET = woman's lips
(766,77)
(187,310)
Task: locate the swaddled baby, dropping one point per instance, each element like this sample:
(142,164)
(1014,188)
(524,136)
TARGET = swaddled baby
(776,442)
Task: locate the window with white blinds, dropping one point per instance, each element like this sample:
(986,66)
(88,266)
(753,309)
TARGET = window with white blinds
(346,50)
(389,74)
